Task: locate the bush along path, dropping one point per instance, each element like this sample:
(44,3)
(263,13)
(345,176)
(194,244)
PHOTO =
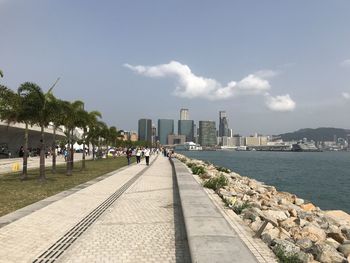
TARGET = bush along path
(295,230)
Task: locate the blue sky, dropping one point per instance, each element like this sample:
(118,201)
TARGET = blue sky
(244,57)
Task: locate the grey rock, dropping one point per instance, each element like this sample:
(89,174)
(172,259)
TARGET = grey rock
(345,249)
(275,215)
(337,236)
(251,213)
(269,235)
(286,246)
(305,244)
(330,241)
(346,232)
(299,201)
(326,253)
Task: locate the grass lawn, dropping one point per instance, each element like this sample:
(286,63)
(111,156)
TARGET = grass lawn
(15,194)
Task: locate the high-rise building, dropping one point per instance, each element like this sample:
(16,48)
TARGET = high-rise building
(165,127)
(145,130)
(154,134)
(184,114)
(186,127)
(207,133)
(223,124)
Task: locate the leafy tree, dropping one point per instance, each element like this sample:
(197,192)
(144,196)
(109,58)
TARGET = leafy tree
(71,121)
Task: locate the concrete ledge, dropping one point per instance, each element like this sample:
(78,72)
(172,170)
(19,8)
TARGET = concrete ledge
(210,237)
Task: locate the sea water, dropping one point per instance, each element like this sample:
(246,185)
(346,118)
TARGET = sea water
(320,177)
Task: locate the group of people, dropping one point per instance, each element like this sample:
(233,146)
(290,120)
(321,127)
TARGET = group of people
(146,152)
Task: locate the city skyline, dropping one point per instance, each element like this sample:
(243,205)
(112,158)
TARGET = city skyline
(282,67)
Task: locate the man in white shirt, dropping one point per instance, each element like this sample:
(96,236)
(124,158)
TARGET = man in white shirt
(147,153)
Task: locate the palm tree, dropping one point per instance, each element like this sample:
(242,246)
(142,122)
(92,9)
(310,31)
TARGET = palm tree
(19,107)
(71,121)
(56,120)
(94,134)
(37,110)
(1,74)
(87,120)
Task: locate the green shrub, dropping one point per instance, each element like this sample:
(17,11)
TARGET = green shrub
(190,165)
(222,169)
(217,182)
(286,258)
(198,170)
(239,208)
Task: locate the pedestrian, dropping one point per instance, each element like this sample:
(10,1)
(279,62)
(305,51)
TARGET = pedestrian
(147,153)
(138,155)
(128,155)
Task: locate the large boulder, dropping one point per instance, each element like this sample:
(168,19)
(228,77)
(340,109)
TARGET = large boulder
(308,207)
(269,235)
(337,236)
(327,254)
(251,213)
(314,233)
(305,244)
(346,232)
(332,242)
(275,215)
(288,223)
(345,249)
(299,201)
(288,248)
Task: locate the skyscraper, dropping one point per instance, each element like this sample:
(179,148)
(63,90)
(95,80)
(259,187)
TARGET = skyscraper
(207,133)
(165,127)
(145,130)
(184,114)
(186,127)
(223,124)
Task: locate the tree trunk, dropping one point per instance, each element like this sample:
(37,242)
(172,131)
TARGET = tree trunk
(54,151)
(25,154)
(72,153)
(83,159)
(93,151)
(42,155)
(69,171)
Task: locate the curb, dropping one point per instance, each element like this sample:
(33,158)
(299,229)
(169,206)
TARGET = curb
(210,236)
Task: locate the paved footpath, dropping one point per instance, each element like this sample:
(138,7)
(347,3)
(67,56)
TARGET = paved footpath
(143,225)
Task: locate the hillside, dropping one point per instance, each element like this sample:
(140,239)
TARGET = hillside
(319,134)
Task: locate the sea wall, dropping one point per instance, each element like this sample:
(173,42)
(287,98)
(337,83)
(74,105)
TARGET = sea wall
(296,230)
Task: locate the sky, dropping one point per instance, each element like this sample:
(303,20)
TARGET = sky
(273,66)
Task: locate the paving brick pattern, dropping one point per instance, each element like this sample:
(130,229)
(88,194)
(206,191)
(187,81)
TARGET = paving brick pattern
(26,238)
(143,225)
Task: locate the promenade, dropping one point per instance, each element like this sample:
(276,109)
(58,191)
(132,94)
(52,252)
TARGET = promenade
(133,215)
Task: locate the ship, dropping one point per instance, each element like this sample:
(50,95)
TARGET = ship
(304,146)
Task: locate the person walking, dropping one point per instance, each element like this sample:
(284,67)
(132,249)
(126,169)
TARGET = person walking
(138,155)
(128,155)
(147,154)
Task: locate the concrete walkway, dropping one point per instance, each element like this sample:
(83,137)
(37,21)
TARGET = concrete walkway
(142,225)
(133,215)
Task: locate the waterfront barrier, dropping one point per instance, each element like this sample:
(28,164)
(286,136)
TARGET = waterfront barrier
(210,237)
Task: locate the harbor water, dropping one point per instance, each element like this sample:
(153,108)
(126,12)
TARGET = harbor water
(320,177)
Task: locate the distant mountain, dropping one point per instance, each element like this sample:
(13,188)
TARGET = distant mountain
(319,134)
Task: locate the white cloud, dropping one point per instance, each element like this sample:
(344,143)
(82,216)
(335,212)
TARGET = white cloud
(345,63)
(346,95)
(267,73)
(281,103)
(193,86)
(190,85)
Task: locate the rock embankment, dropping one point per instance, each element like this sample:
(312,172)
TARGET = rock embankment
(296,230)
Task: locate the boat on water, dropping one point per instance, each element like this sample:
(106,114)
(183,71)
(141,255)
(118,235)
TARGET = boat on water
(304,146)
(188,146)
